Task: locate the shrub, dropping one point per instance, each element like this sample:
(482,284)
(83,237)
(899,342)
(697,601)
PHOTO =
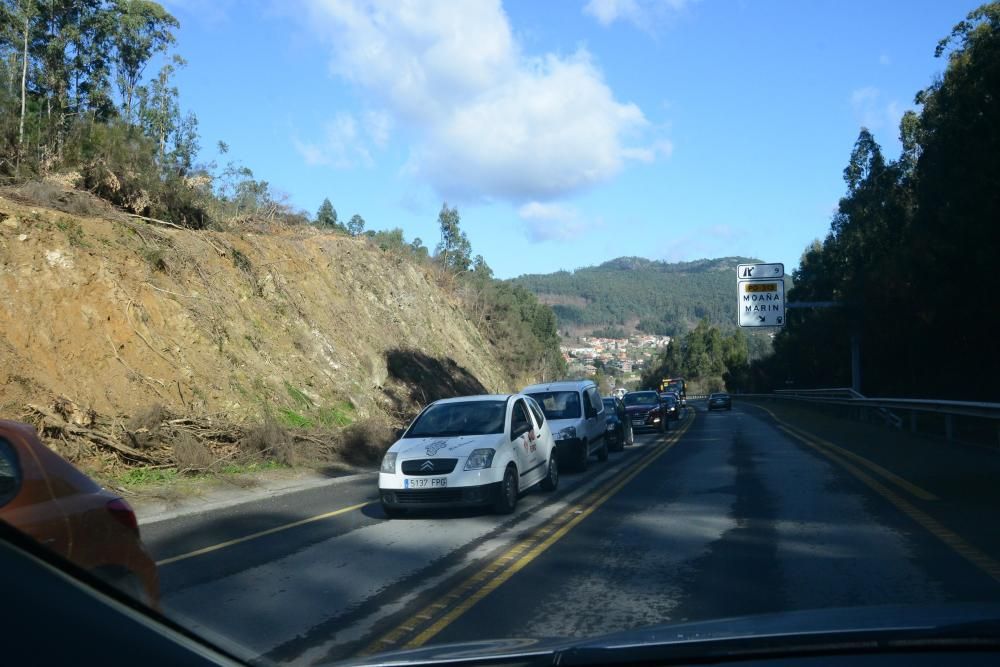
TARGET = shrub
(189,454)
(365,442)
(144,426)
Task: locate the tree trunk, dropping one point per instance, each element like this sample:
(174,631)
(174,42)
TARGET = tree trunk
(24,88)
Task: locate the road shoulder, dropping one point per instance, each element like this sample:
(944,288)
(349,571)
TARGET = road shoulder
(156,504)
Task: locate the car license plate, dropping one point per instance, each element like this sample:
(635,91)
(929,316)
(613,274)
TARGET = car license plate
(637,422)
(426,483)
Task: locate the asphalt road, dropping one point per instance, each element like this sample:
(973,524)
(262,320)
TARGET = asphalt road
(731,513)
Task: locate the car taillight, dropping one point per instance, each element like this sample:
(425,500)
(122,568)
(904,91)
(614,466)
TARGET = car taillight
(122,511)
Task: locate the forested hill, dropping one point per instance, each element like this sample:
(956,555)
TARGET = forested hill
(633,293)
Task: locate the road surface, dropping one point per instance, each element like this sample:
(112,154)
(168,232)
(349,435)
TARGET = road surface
(730,513)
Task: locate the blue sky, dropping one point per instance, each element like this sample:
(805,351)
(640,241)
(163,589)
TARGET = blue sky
(566,133)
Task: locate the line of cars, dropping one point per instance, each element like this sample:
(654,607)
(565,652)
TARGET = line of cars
(487,450)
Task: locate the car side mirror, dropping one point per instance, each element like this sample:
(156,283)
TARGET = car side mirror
(10,472)
(519,430)
(398,433)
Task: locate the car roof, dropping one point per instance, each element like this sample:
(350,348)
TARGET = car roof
(478,397)
(563,385)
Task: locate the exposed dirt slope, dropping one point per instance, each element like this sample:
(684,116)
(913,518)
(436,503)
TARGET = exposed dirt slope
(117,314)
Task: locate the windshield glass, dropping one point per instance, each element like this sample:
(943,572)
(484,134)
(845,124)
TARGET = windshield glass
(265,265)
(559,404)
(641,398)
(450,419)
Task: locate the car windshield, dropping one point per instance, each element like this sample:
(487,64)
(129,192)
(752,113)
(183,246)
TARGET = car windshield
(334,328)
(641,398)
(558,404)
(451,419)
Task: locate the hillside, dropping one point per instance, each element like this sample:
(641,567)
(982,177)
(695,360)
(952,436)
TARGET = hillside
(108,318)
(639,294)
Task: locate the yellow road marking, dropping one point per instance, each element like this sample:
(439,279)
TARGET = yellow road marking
(915,490)
(511,562)
(262,533)
(930,524)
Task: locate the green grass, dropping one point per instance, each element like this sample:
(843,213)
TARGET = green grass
(341,414)
(241,468)
(137,477)
(148,476)
(73,232)
(298,396)
(292,419)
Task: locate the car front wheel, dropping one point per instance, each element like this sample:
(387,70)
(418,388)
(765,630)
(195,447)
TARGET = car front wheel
(583,456)
(551,481)
(392,512)
(507,499)
(602,453)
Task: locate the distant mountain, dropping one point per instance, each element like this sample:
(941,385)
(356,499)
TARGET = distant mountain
(638,294)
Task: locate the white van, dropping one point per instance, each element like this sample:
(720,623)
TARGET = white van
(576,417)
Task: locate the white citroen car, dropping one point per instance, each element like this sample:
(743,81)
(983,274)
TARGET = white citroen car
(467,451)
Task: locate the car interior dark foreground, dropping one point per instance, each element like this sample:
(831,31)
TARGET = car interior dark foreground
(46,596)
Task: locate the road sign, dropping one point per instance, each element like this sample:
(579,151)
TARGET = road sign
(759,271)
(761,303)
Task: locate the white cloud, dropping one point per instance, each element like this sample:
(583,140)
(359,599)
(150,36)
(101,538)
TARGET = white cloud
(378,125)
(884,60)
(873,110)
(547,212)
(488,120)
(211,13)
(709,241)
(553,222)
(641,13)
(649,153)
(341,145)
(608,11)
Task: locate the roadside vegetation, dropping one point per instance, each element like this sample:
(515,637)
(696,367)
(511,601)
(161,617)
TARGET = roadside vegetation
(91,125)
(708,358)
(906,234)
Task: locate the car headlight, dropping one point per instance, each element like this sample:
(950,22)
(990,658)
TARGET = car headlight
(480,459)
(567,433)
(389,463)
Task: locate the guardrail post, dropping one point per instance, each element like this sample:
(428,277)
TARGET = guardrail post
(949,427)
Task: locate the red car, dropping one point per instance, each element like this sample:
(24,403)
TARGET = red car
(645,409)
(46,498)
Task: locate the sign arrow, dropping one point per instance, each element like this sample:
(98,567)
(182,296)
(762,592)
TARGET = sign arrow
(760,318)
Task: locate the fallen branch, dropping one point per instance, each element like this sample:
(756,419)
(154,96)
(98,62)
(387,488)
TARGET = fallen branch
(222,253)
(159,222)
(150,381)
(57,423)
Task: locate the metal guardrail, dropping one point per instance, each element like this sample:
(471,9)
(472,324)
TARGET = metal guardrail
(846,393)
(987,415)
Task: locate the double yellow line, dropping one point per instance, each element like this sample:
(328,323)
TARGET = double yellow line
(860,467)
(419,628)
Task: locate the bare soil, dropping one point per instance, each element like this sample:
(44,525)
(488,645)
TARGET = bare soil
(106,317)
